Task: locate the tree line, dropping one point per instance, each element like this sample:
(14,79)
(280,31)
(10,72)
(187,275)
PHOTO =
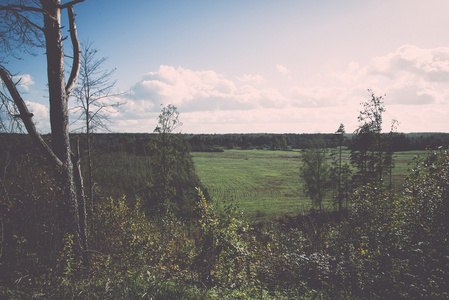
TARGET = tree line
(134,143)
(399,142)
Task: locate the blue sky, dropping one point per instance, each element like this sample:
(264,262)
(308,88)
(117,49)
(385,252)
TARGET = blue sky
(265,66)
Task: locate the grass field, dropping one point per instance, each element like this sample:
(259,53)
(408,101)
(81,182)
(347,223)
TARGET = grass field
(267,183)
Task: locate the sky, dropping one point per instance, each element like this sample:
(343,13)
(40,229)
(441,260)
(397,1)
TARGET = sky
(260,66)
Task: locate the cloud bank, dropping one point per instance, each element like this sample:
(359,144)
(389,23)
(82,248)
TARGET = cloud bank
(202,90)
(415,81)
(409,76)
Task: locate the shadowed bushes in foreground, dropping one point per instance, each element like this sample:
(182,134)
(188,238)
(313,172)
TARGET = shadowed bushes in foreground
(387,245)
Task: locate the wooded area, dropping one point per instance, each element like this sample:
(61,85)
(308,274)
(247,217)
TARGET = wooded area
(389,243)
(148,229)
(134,143)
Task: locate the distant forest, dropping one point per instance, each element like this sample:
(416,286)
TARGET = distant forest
(134,143)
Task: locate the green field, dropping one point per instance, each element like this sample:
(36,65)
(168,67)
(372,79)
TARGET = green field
(267,183)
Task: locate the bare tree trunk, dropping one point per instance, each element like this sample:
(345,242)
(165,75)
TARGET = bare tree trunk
(60,141)
(72,216)
(340,198)
(81,208)
(89,158)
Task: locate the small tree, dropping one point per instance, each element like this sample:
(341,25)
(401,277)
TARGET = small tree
(92,94)
(388,161)
(339,172)
(368,146)
(168,120)
(315,171)
(168,154)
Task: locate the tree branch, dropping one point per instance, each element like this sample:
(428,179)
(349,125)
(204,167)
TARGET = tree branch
(20,8)
(16,10)
(76,53)
(70,3)
(26,117)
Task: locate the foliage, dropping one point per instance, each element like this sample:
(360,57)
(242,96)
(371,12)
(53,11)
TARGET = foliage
(168,120)
(223,252)
(27,215)
(387,246)
(340,174)
(172,177)
(396,247)
(369,248)
(172,243)
(170,168)
(133,143)
(369,153)
(315,172)
(426,223)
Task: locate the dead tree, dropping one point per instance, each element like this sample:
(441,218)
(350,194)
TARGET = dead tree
(38,23)
(92,94)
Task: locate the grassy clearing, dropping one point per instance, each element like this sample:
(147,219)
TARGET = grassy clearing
(402,162)
(267,183)
(260,182)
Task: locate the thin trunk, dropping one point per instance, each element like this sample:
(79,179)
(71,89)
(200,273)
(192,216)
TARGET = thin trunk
(340,135)
(90,196)
(81,209)
(89,154)
(89,170)
(379,145)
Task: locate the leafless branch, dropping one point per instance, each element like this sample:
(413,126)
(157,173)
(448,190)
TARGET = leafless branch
(20,8)
(93,90)
(16,10)
(20,30)
(26,117)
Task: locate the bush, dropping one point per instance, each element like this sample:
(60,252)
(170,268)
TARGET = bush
(398,246)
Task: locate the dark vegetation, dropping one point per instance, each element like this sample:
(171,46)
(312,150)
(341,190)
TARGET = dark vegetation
(134,143)
(389,244)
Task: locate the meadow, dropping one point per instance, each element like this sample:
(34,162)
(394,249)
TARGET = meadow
(266,184)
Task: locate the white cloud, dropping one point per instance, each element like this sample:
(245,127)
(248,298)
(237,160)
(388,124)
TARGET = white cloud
(199,91)
(254,79)
(25,81)
(41,115)
(282,69)
(409,75)
(179,86)
(429,64)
